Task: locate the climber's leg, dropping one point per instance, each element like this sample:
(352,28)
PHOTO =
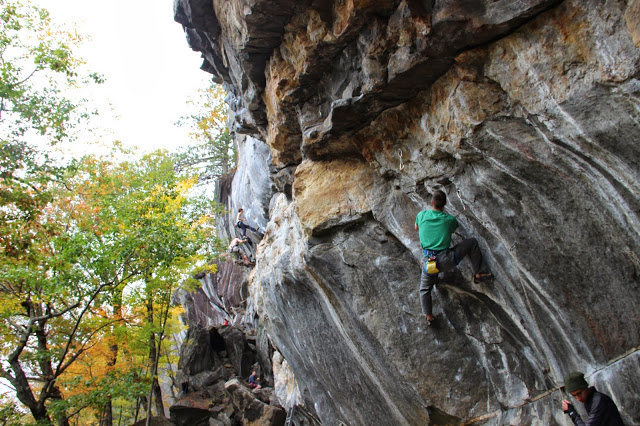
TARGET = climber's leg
(427,281)
(469,247)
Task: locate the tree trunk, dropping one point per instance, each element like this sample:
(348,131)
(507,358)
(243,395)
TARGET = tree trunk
(50,390)
(225,163)
(107,415)
(139,403)
(23,392)
(156,391)
(19,379)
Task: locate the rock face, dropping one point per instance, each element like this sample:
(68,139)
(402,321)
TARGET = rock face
(525,113)
(211,371)
(254,411)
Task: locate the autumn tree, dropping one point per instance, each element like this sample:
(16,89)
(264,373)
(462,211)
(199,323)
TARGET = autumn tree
(110,227)
(36,64)
(74,237)
(212,152)
(51,279)
(148,203)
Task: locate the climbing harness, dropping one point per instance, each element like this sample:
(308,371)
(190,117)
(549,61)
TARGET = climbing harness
(431,264)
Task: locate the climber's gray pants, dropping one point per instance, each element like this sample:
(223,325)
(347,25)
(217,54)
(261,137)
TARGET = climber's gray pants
(447,260)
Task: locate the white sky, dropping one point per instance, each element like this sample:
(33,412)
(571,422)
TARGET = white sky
(150,70)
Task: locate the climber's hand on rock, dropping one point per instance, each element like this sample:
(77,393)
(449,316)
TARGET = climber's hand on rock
(565,405)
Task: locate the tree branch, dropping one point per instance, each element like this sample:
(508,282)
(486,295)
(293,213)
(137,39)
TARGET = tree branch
(85,347)
(77,325)
(18,83)
(51,315)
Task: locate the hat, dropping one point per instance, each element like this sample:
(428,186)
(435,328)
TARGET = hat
(575,381)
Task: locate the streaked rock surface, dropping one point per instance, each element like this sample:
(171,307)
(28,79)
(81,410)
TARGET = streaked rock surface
(526,113)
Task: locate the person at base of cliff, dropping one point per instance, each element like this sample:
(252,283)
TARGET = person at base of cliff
(241,223)
(600,408)
(434,228)
(254,380)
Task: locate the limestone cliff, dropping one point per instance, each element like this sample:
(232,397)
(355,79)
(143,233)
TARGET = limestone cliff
(349,113)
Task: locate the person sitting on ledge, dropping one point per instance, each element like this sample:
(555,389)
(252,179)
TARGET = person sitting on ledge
(254,380)
(600,408)
(434,228)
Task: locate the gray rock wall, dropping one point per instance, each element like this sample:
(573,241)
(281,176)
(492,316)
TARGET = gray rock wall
(525,113)
(252,185)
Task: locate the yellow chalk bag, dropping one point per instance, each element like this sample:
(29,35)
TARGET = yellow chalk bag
(432,268)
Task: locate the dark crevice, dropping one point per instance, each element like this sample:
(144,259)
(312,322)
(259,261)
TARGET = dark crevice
(351,226)
(440,417)
(217,342)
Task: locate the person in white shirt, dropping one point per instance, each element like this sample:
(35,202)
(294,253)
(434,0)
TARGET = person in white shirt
(241,223)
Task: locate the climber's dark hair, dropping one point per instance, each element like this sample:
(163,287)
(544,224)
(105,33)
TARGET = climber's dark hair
(439,199)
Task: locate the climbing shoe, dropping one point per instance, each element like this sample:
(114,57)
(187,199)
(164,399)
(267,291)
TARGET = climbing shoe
(429,319)
(480,278)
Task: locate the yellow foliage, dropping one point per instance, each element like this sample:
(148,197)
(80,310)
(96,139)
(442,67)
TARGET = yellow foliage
(184,185)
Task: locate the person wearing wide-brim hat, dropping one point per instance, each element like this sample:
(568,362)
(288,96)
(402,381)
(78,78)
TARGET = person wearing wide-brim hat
(600,408)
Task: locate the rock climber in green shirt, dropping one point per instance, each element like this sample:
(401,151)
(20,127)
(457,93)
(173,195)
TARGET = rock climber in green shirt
(435,227)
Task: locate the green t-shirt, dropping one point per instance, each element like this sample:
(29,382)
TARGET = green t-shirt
(435,229)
